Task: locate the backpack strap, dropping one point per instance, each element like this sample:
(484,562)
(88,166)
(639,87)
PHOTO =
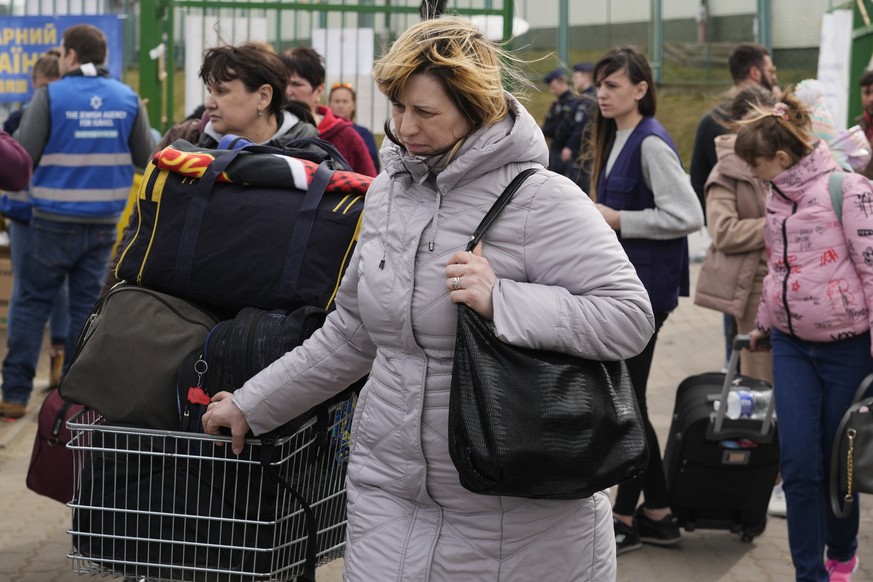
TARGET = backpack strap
(835,188)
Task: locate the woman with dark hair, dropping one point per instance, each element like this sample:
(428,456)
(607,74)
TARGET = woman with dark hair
(646,197)
(246,85)
(305,82)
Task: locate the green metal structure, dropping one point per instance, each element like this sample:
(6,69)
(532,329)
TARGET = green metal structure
(163,30)
(862,50)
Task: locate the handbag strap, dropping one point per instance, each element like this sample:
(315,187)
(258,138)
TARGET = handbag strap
(861,393)
(837,463)
(498,207)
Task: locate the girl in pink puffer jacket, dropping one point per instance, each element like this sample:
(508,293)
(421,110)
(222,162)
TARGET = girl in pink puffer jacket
(816,306)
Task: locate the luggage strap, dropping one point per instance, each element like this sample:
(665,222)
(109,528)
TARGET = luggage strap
(322,427)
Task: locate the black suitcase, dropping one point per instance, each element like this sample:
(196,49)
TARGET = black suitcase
(720,472)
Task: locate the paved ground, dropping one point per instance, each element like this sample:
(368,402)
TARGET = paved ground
(34,543)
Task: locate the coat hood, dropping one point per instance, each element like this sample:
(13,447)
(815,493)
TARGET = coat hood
(330,124)
(724,145)
(729,163)
(794,182)
(516,138)
(283,134)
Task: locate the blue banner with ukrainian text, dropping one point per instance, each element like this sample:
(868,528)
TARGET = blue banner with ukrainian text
(23,39)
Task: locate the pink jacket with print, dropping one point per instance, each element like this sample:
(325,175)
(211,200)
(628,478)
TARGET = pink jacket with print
(819,285)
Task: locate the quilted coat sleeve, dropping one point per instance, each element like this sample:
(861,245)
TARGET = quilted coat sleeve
(337,354)
(858,230)
(583,296)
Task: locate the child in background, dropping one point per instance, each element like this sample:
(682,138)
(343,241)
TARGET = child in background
(816,306)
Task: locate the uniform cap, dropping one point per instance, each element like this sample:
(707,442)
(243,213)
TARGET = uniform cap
(556,74)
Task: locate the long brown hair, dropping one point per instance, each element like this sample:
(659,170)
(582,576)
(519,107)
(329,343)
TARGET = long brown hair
(602,138)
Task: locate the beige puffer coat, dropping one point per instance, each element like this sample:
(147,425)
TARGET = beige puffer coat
(733,271)
(563,283)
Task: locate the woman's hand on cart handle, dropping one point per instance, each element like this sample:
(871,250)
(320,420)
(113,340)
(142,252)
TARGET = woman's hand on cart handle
(222,411)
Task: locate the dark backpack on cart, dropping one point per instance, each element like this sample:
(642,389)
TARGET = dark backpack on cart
(234,351)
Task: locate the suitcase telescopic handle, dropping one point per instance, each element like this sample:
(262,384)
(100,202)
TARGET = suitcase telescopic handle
(740,341)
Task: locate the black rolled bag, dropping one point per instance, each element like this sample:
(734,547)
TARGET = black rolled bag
(234,351)
(246,227)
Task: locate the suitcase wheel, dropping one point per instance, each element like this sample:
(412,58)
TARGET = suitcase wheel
(750,533)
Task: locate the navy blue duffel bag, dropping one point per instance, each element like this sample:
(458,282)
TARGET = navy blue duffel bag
(245,227)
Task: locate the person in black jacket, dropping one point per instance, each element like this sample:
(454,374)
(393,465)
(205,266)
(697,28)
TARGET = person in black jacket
(750,64)
(578,168)
(559,123)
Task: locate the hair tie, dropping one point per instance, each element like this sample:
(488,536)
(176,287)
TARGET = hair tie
(780,110)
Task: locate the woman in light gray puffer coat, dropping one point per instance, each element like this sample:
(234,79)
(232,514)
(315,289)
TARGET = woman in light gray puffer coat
(551,275)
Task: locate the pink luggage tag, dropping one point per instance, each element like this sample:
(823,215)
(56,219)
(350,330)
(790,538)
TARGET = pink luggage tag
(196,395)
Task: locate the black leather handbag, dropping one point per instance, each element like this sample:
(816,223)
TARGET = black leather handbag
(852,457)
(534,423)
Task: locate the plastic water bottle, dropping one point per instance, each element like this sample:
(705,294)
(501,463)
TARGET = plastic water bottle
(745,403)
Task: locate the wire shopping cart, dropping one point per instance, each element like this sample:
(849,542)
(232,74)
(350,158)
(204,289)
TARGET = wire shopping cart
(174,506)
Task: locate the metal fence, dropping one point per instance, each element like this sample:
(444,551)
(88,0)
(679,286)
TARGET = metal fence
(687,40)
(349,34)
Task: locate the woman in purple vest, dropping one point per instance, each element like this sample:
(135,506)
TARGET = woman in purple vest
(645,195)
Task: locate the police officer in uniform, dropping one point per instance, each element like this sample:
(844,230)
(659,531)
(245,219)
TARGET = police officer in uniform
(559,123)
(586,108)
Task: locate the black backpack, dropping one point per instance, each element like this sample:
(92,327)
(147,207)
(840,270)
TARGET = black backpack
(234,351)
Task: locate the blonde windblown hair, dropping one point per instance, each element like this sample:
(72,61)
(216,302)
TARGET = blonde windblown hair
(453,50)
